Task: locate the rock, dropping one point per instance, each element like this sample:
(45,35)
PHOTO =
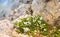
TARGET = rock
(26,1)
(38,6)
(50,9)
(7,6)
(10,9)
(5,24)
(23,9)
(7,29)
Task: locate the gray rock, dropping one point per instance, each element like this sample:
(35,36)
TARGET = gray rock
(5,28)
(26,1)
(50,10)
(38,6)
(6,6)
(23,9)
(13,9)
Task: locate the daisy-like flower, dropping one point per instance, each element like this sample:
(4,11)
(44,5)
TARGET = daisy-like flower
(39,22)
(19,20)
(45,30)
(26,29)
(27,18)
(27,23)
(41,18)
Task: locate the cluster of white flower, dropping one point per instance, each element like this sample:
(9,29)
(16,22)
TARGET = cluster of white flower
(26,29)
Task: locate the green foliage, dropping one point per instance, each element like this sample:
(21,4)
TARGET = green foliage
(30,24)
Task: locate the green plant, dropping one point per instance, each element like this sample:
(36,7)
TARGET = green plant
(35,24)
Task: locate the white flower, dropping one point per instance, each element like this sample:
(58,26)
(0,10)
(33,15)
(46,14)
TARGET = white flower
(41,18)
(21,17)
(27,23)
(44,24)
(59,30)
(44,29)
(34,20)
(35,31)
(24,16)
(27,18)
(39,22)
(26,29)
(19,20)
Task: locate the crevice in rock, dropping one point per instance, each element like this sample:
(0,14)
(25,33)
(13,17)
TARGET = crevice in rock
(47,0)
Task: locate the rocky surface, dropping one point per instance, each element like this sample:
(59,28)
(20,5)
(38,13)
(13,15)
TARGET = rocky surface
(7,30)
(26,1)
(50,9)
(16,9)
(9,9)
(23,9)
